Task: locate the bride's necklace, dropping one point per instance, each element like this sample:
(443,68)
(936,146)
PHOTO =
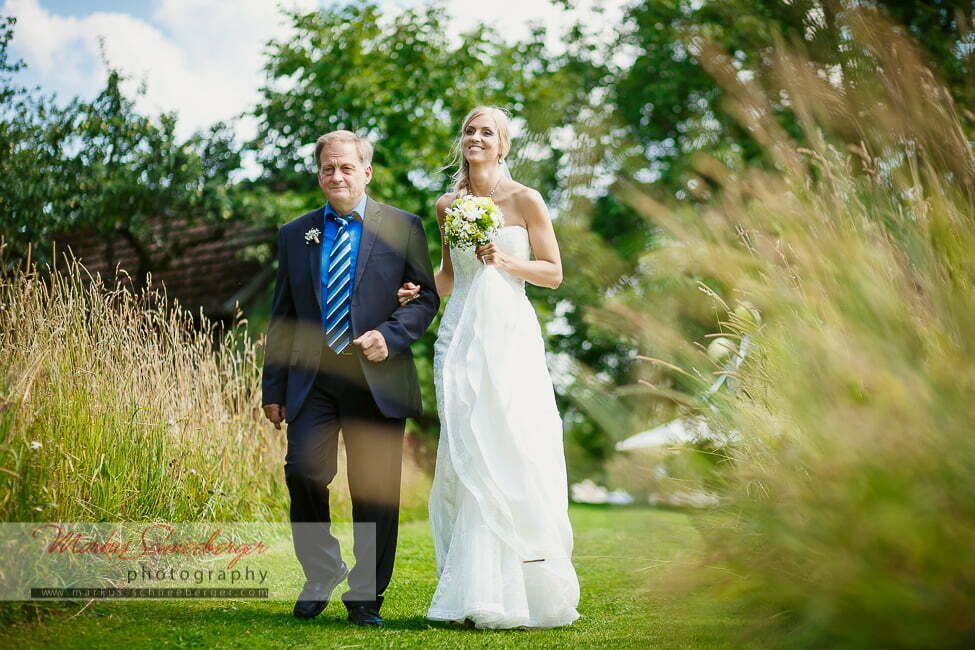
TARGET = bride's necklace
(493,189)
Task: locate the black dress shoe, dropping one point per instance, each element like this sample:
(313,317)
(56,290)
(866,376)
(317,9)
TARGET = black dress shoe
(315,595)
(365,615)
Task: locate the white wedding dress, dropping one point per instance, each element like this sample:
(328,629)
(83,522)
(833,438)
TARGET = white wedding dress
(499,504)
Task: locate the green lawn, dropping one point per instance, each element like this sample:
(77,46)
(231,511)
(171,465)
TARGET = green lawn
(622,556)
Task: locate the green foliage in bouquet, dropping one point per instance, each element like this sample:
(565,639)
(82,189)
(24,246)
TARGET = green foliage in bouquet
(471,221)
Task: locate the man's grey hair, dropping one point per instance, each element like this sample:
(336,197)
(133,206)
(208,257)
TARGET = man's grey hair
(363,146)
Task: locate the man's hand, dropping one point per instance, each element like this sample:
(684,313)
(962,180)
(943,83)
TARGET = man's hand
(274,413)
(373,346)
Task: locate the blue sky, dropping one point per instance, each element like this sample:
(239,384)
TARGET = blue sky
(139,8)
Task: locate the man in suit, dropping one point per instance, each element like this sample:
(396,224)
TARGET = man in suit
(338,358)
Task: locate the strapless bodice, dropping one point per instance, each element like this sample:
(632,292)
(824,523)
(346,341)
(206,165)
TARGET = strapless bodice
(513,240)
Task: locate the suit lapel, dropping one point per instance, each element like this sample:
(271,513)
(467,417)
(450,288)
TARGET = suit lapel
(314,253)
(371,227)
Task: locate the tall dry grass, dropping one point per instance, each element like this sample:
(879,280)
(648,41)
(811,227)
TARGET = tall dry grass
(849,516)
(116,406)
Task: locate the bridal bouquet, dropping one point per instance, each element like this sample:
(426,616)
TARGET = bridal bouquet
(471,221)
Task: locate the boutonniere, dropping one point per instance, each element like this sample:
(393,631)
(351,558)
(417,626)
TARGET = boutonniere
(313,235)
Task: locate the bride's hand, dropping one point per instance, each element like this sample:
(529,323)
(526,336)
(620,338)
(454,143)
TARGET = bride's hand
(492,255)
(407,293)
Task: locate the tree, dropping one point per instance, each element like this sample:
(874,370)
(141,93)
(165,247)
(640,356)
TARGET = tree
(100,165)
(137,182)
(32,131)
(399,80)
(673,107)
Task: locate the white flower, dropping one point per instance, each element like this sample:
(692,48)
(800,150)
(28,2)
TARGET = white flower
(313,235)
(34,444)
(464,224)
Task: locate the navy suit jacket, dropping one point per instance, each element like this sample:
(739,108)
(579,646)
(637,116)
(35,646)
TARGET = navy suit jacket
(392,250)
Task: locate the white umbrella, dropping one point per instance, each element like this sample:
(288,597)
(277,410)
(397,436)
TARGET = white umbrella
(673,432)
(691,428)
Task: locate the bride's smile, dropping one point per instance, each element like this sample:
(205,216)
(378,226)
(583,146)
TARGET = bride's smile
(481,143)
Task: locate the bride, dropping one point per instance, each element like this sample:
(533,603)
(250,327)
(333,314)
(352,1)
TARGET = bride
(498,505)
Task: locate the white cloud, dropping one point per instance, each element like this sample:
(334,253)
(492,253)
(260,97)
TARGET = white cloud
(514,18)
(63,51)
(225,39)
(202,59)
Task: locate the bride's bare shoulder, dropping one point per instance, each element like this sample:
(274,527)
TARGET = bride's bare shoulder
(526,198)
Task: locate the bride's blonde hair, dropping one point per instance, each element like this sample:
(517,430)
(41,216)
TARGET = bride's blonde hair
(461,177)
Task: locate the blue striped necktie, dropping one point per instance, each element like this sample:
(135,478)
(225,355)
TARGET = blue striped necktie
(338,293)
